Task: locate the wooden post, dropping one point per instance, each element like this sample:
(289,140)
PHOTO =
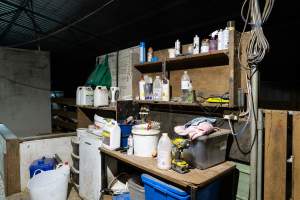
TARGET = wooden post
(12,167)
(296,154)
(275,155)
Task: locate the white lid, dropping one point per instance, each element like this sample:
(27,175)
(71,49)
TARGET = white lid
(185,72)
(157,77)
(165,134)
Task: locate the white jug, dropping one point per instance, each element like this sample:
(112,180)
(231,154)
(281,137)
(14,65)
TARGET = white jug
(100,96)
(87,96)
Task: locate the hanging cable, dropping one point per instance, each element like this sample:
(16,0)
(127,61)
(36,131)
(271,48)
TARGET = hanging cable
(65,27)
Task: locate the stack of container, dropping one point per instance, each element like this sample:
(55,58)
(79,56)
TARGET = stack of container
(75,159)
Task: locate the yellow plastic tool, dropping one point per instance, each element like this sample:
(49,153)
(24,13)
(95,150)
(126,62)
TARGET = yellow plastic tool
(217,100)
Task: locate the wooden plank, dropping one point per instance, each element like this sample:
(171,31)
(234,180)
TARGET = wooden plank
(66,114)
(83,120)
(48,136)
(275,155)
(296,154)
(195,177)
(12,167)
(64,101)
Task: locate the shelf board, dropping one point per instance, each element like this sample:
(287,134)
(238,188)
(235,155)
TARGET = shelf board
(216,58)
(181,104)
(107,108)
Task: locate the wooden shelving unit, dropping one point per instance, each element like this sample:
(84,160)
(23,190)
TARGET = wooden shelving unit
(212,74)
(107,108)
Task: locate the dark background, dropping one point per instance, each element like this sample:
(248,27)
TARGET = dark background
(123,24)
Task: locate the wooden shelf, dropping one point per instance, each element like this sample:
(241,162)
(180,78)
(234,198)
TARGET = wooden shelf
(180,104)
(107,108)
(216,58)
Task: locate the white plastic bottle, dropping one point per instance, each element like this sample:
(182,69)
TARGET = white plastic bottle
(220,40)
(142,88)
(226,38)
(165,90)
(196,45)
(164,149)
(177,48)
(157,89)
(130,145)
(185,86)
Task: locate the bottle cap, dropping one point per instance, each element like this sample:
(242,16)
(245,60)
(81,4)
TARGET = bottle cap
(157,77)
(165,134)
(185,72)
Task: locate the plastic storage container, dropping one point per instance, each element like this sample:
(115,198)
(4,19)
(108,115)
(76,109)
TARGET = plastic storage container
(137,191)
(125,132)
(44,164)
(158,190)
(75,159)
(75,145)
(124,196)
(209,150)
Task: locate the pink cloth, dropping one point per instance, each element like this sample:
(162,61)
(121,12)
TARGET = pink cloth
(194,132)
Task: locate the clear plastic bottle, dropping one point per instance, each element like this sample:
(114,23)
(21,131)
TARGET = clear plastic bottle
(165,90)
(157,89)
(164,149)
(142,88)
(130,145)
(185,86)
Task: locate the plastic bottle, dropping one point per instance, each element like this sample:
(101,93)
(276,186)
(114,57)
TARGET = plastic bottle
(157,89)
(165,90)
(130,145)
(148,87)
(149,54)
(142,88)
(220,39)
(164,149)
(185,86)
(177,47)
(226,38)
(196,45)
(142,52)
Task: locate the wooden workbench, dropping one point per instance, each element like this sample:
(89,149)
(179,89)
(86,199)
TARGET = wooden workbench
(193,180)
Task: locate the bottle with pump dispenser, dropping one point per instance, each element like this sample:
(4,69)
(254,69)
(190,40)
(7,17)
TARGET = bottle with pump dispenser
(157,89)
(196,45)
(164,149)
(185,86)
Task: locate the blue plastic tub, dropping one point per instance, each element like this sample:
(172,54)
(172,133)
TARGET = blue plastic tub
(158,190)
(43,164)
(124,196)
(125,132)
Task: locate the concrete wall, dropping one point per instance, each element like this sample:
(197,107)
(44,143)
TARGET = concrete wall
(24,91)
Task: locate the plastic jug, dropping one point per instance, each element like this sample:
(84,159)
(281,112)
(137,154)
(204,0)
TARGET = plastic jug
(101,96)
(87,96)
(185,86)
(78,95)
(157,89)
(164,149)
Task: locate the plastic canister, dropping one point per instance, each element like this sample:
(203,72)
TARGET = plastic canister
(78,95)
(196,45)
(145,141)
(87,96)
(43,164)
(100,96)
(142,52)
(164,149)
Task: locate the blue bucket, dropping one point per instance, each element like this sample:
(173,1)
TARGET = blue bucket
(125,132)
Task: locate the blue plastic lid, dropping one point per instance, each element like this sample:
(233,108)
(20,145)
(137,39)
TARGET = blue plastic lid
(153,181)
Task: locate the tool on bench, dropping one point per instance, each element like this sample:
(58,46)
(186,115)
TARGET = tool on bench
(178,164)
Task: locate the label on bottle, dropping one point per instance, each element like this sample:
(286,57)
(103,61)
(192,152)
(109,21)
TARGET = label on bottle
(185,85)
(157,93)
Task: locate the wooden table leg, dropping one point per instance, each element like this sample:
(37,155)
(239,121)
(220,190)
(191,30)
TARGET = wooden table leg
(194,192)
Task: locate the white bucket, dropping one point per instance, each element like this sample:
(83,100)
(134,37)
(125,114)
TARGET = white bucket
(49,185)
(145,141)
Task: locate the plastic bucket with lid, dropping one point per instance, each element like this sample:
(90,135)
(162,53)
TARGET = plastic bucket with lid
(49,185)
(145,141)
